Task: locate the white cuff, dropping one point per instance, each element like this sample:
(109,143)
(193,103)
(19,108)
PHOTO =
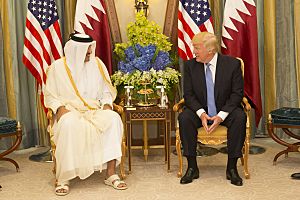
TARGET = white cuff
(200,111)
(223,115)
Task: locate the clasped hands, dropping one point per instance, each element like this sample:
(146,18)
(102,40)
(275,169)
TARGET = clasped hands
(215,119)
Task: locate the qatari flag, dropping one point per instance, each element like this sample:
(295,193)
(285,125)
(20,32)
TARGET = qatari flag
(239,39)
(91,19)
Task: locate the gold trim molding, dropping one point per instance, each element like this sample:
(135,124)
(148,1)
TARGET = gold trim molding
(170,25)
(113,21)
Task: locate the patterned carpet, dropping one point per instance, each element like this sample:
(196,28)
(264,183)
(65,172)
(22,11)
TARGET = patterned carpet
(150,180)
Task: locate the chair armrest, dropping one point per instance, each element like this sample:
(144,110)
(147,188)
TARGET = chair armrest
(118,109)
(246,104)
(178,106)
(49,114)
(50,117)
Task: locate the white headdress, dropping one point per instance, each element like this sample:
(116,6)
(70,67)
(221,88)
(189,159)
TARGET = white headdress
(75,52)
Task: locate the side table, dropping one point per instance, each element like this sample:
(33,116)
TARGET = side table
(10,128)
(145,114)
(284,118)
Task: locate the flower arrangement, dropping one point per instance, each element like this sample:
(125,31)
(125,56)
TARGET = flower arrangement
(145,58)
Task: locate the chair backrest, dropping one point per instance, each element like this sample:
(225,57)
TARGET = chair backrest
(242,65)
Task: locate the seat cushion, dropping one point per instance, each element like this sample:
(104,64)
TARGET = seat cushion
(218,136)
(7,125)
(286,116)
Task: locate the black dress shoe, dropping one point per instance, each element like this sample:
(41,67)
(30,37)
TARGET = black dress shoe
(296,176)
(190,174)
(233,176)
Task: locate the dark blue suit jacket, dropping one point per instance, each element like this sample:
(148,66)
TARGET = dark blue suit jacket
(229,84)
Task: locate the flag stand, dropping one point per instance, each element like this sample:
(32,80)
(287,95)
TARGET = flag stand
(45,156)
(203,150)
(253,150)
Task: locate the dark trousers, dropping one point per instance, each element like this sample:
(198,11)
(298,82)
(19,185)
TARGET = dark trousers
(235,122)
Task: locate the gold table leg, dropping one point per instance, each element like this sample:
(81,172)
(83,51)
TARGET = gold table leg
(145,131)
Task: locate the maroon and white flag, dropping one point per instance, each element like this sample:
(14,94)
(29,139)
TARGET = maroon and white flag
(239,39)
(91,19)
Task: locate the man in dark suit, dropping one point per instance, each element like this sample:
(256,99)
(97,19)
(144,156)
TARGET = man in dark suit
(213,92)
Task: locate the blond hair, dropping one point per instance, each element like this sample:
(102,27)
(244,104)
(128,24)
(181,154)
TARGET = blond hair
(209,41)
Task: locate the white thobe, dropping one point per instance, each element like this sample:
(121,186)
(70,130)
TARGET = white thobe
(85,139)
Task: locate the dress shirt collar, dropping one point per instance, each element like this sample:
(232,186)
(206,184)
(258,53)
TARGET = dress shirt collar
(213,61)
(213,65)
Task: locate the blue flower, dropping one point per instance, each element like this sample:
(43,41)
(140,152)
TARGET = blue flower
(149,50)
(143,59)
(139,49)
(125,67)
(130,54)
(143,63)
(161,61)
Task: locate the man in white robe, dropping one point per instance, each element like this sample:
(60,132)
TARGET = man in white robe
(87,132)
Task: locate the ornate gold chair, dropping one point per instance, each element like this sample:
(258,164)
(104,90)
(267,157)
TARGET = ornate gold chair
(117,108)
(10,128)
(217,137)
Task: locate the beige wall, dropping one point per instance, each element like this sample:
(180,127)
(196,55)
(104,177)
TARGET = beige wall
(126,13)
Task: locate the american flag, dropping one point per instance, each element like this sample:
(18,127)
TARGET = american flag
(43,41)
(194,16)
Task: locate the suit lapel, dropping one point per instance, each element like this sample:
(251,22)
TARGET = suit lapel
(218,76)
(201,84)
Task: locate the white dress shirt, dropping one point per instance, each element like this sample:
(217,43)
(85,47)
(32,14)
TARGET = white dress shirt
(213,66)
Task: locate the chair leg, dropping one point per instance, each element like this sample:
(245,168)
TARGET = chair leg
(246,146)
(178,150)
(245,158)
(242,158)
(242,161)
(54,159)
(122,171)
